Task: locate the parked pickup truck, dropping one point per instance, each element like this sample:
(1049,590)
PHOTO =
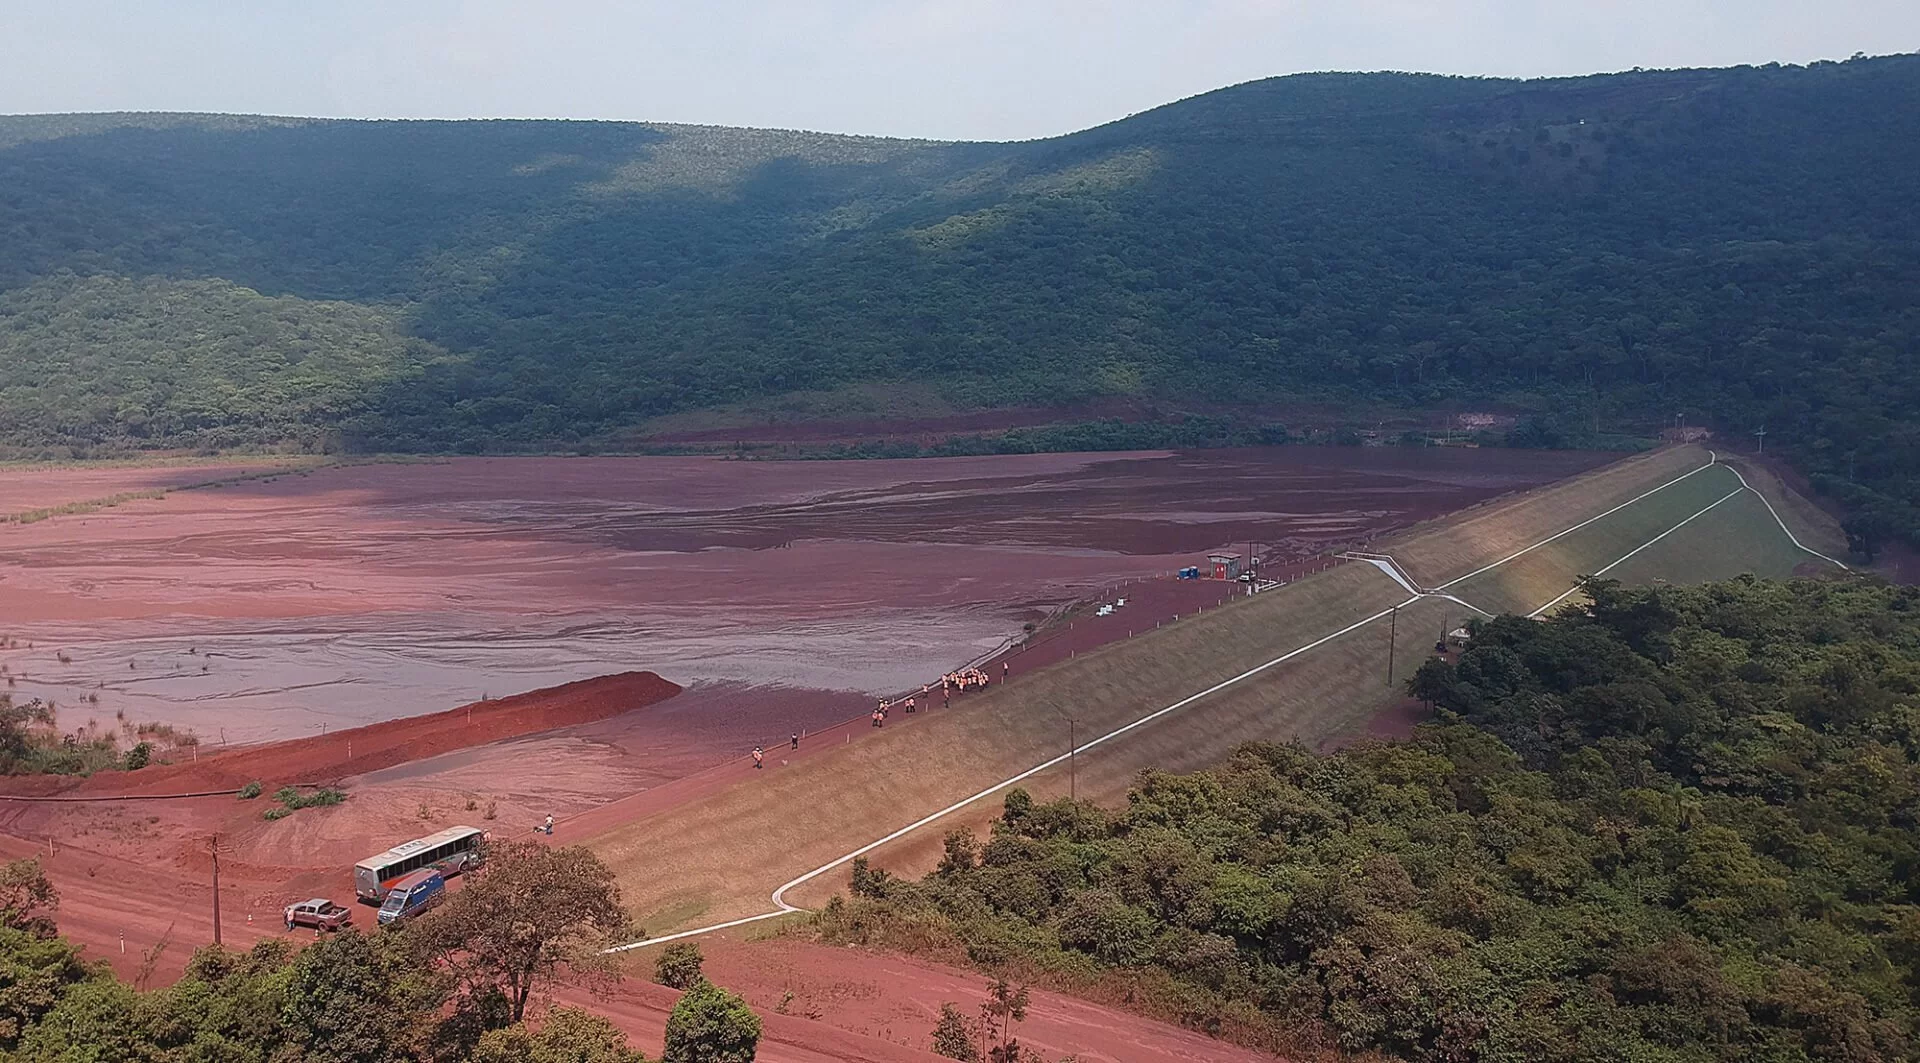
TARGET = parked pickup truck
(319,913)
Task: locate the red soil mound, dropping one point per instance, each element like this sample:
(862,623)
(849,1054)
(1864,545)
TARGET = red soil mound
(326,758)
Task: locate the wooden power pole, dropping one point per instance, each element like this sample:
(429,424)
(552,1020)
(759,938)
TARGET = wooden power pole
(213,847)
(1393,637)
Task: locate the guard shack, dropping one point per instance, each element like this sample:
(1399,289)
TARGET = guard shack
(1224,566)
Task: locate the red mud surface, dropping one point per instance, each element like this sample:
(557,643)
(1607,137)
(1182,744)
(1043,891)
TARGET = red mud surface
(343,596)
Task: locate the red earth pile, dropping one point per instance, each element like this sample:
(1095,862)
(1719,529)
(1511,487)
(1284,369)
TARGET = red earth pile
(325,758)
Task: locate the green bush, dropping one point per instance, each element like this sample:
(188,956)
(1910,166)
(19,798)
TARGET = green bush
(250,791)
(276,813)
(710,1025)
(292,799)
(678,965)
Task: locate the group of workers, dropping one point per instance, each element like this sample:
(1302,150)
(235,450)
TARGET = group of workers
(970,678)
(964,680)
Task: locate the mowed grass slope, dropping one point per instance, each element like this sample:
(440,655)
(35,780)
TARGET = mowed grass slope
(1537,577)
(720,856)
(1738,537)
(1451,547)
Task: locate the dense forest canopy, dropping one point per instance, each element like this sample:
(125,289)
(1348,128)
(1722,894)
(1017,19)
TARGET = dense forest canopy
(1679,826)
(1735,246)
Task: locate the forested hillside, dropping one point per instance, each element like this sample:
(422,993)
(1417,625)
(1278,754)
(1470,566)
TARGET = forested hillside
(1678,826)
(1733,245)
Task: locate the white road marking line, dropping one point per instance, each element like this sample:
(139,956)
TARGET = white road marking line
(1624,557)
(1712,460)
(1783,524)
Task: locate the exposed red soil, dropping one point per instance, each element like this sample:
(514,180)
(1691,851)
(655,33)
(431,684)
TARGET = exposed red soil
(359,750)
(31,487)
(863,1005)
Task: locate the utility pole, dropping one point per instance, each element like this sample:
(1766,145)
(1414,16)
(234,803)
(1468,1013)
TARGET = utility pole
(1393,637)
(1073,763)
(213,847)
(1761,435)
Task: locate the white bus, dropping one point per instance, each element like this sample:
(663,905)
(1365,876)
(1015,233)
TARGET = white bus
(451,851)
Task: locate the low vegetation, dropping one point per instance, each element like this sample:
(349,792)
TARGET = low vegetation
(1676,825)
(32,742)
(678,965)
(710,1025)
(452,987)
(292,799)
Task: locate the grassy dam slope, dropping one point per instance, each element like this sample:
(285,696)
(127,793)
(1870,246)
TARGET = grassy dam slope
(1307,661)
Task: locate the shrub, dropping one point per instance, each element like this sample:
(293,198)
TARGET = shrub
(277,812)
(711,1025)
(956,1036)
(139,756)
(251,790)
(678,965)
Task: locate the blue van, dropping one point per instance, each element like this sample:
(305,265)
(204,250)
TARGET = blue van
(412,895)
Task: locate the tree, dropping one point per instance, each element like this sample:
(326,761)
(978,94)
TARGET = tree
(1432,682)
(529,912)
(27,897)
(962,852)
(96,1019)
(568,1035)
(1868,531)
(678,965)
(954,1035)
(358,998)
(710,1025)
(36,971)
(1005,1006)
(867,882)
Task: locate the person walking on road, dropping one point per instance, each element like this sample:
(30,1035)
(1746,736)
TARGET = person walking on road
(1006,669)
(796,741)
(758,756)
(878,716)
(548,827)
(909,704)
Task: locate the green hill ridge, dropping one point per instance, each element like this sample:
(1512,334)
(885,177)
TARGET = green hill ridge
(1733,245)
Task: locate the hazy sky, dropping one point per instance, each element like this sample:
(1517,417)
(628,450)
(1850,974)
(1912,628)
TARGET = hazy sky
(975,69)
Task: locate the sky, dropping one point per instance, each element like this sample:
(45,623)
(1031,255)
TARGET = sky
(952,69)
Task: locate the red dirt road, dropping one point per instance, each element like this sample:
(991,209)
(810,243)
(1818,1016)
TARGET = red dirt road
(856,1004)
